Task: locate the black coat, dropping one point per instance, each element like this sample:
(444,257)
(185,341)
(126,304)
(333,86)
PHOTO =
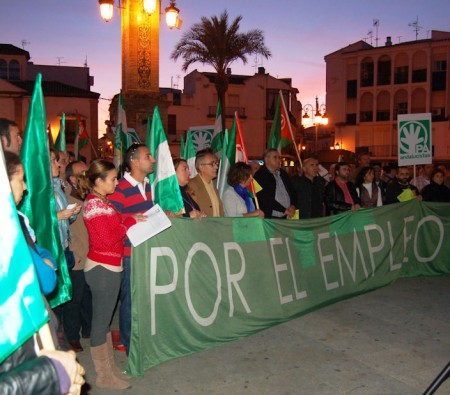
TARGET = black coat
(266,197)
(436,193)
(394,189)
(335,199)
(310,195)
(22,373)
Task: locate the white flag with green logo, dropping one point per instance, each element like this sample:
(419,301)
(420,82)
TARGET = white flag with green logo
(164,182)
(414,139)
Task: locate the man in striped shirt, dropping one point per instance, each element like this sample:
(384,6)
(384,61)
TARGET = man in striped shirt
(132,196)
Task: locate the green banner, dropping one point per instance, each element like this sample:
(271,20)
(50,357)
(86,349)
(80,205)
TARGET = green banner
(202,283)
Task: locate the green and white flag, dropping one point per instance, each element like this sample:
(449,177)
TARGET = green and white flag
(164,182)
(217,137)
(22,310)
(38,204)
(60,144)
(121,138)
(228,157)
(189,154)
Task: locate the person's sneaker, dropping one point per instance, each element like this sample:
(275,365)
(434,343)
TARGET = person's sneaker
(120,347)
(76,346)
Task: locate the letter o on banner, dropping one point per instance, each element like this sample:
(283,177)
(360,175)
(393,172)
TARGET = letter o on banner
(440,225)
(202,247)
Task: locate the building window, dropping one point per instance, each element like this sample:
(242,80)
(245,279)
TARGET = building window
(367,73)
(383,115)
(419,75)
(400,108)
(271,102)
(176,98)
(3,69)
(438,82)
(172,124)
(384,72)
(440,65)
(352,89)
(366,116)
(14,70)
(350,119)
(401,75)
(438,114)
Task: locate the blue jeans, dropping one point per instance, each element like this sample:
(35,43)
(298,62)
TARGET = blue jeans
(125,303)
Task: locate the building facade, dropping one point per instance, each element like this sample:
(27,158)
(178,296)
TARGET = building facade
(254,97)
(66,90)
(367,87)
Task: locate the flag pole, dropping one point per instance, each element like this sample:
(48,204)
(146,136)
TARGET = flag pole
(46,339)
(290,130)
(244,150)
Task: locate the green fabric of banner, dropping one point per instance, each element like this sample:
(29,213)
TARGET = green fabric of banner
(202,283)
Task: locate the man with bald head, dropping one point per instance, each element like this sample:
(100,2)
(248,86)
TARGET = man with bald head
(202,188)
(309,189)
(10,136)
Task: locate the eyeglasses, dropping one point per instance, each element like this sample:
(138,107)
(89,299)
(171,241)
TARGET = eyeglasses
(216,163)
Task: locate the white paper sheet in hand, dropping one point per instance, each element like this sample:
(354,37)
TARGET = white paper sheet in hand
(156,222)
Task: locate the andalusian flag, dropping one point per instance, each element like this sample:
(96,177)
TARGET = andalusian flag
(38,204)
(165,188)
(189,154)
(60,144)
(217,137)
(121,138)
(280,132)
(228,157)
(22,310)
(81,136)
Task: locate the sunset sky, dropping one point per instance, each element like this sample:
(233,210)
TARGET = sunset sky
(298,33)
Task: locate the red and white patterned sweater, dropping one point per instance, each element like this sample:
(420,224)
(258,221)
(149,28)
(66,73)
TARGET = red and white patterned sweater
(106,230)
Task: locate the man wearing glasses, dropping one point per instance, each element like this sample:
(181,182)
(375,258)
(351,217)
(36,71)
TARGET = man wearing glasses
(202,188)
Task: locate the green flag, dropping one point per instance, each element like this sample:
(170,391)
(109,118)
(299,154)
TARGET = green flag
(121,138)
(280,133)
(60,144)
(165,188)
(227,159)
(22,310)
(189,154)
(217,137)
(38,203)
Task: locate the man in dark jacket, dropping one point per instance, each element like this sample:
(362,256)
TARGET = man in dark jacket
(340,194)
(398,185)
(277,197)
(309,190)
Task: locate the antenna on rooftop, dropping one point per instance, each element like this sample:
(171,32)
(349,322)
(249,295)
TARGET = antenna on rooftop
(376,24)
(415,26)
(370,36)
(24,43)
(85,62)
(399,37)
(60,60)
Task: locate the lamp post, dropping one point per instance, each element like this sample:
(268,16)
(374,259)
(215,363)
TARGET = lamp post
(140,24)
(318,117)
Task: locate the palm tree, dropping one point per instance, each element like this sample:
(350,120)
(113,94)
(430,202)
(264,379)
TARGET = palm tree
(217,43)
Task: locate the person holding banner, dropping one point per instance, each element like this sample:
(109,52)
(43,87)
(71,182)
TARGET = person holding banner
(132,196)
(103,267)
(237,201)
(276,196)
(400,189)
(202,188)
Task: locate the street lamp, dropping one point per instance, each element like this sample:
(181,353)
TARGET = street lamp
(172,12)
(317,118)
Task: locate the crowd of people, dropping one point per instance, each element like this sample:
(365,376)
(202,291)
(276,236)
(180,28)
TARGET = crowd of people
(95,208)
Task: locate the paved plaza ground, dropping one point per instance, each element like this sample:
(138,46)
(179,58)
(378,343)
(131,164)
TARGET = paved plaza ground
(394,340)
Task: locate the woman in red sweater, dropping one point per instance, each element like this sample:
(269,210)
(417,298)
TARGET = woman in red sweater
(103,267)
